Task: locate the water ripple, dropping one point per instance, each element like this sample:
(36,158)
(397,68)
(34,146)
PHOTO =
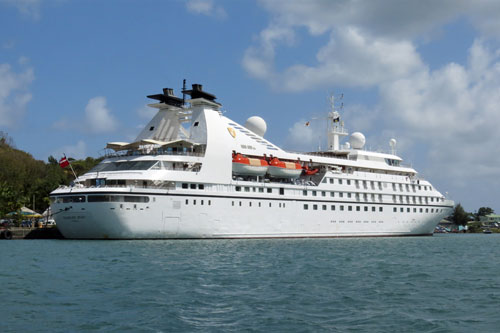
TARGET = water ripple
(431,284)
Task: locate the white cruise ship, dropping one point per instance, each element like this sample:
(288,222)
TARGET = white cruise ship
(194,173)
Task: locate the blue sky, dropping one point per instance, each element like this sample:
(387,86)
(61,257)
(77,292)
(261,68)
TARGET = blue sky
(75,75)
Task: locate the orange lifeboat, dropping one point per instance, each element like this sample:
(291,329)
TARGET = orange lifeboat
(279,169)
(245,166)
(310,172)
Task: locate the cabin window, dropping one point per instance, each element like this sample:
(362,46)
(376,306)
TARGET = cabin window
(187,201)
(185,185)
(192,186)
(349,208)
(196,123)
(323,194)
(238,188)
(250,204)
(341,194)
(315,207)
(331,180)
(366,208)
(332,207)
(341,207)
(247,189)
(151,128)
(201,187)
(261,190)
(348,182)
(324,207)
(408,209)
(282,191)
(269,190)
(414,210)
(306,206)
(304,193)
(324,180)
(373,208)
(402,210)
(240,203)
(232,203)
(314,193)
(381,209)
(270,205)
(209,202)
(340,181)
(194,202)
(332,194)
(394,209)
(358,208)
(260,204)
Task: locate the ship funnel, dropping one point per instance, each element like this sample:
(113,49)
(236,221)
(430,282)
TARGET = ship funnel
(168,91)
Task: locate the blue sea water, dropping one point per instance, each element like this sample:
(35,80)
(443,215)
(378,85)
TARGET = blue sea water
(444,283)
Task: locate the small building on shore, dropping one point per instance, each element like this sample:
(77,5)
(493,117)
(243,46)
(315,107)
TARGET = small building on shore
(491,220)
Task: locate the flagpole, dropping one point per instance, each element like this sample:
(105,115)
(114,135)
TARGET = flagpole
(74,174)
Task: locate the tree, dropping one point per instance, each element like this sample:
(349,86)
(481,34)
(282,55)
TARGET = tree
(460,216)
(483,211)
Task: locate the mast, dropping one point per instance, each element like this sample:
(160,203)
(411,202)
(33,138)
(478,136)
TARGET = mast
(335,126)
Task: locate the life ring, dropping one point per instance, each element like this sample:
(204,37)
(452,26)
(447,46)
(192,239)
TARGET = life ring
(7,234)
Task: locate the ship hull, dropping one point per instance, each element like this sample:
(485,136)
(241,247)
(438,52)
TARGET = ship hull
(178,216)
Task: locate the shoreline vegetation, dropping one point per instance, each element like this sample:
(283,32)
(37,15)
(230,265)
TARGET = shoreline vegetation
(25,181)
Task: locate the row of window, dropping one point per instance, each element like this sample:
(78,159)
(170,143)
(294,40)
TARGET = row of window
(378,184)
(193,186)
(367,208)
(201,202)
(342,208)
(259,204)
(100,198)
(420,210)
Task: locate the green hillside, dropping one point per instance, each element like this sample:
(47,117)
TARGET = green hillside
(22,177)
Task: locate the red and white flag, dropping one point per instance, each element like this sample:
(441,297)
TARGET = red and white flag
(63,162)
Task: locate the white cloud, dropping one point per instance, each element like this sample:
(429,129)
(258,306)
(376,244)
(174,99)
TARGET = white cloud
(369,43)
(77,151)
(306,135)
(205,7)
(29,8)
(14,94)
(98,117)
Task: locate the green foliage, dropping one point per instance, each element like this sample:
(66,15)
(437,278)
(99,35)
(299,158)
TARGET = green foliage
(22,177)
(460,216)
(483,211)
(474,227)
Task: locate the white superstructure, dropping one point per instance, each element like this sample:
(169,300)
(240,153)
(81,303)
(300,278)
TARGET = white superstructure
(194,173)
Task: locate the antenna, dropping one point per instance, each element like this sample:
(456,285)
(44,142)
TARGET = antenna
(183,92)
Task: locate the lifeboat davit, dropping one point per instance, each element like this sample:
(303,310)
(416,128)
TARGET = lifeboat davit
(279,169)
(245,166)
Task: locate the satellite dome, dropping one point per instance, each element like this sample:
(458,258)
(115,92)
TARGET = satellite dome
(357,140)
(257,125)
(392,143)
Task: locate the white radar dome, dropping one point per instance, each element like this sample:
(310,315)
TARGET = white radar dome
(257,125)
(357,140)
(392,143)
